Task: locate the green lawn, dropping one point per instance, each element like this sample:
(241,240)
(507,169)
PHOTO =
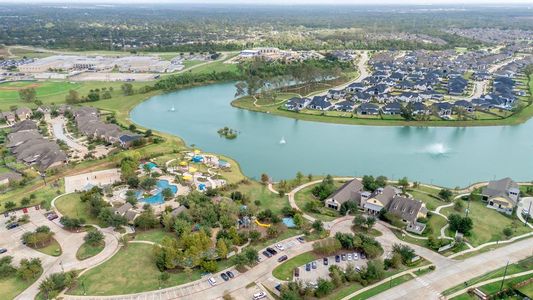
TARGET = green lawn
(494,287)
(285,270)
(45,193)
(13,286)
(70,205)
(87,250)
(52,249)
(488,223)
(383,287)
(305,195)
(9,92)
(131,270)
(436,223)
(521,266)
(431,200)
(256,191)
(154,235)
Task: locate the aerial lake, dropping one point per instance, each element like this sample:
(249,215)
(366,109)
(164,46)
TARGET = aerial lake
(448,156)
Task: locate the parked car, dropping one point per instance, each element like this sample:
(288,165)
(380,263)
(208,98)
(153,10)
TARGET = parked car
(224,276)
(282,258)
(271,251)
(300,239)
(325,261)
(296,272)
(259,295)
(337,258)
(358,268)
(3,250)
(278,287)
(51,217)
(355,256)
(363,256)
(343,257)
(349,256)
(267,254)
(212,281)
(12,225)
(280,247)
(230,274)
(313,264)
(308,267)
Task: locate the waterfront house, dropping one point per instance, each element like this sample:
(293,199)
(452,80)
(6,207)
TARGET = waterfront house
(320,103)
(393,108)
(502,195)
(419,108)
(297,103)
(350,191)
(443,109)
(346,105)
(368,109)
(464,104)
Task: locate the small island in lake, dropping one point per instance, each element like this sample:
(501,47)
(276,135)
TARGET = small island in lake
(228,133)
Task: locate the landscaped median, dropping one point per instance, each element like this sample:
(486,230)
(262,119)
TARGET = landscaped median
(285,271)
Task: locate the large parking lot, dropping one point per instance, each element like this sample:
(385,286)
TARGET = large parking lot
(322,270)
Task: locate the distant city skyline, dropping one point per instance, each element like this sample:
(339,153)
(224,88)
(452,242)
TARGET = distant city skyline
(282,2)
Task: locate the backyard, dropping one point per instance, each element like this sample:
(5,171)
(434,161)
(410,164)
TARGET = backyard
(488,223)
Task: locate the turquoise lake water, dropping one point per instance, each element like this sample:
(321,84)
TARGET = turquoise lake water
(447,156)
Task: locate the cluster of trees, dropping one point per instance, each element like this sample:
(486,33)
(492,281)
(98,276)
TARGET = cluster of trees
(371,184)
(461,224)
(324,189)
(266,77)
(73,97)
(175,81)
(360,242)
(372,272)
(71,223)
(39,238)
(28,269)
(55,283)
(94,238)
(28,94)
(100,209)
(401,255)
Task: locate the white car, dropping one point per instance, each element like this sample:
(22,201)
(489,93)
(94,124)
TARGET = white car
(349,256)
(259,295)
(280,247)
(355,256)
(212,281)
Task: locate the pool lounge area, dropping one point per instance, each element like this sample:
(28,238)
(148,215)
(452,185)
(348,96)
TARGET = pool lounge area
(157,197)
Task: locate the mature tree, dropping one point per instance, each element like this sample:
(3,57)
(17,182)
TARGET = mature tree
(318,225)
(222,248)
(6,267)
(167,194)
(251,255)
(55,283)
(299,177)
(146,220)
(325,287)
(460,224)
(404,183)
(445,194)
(71,223)
(265,179)
(127,89)
(94,237)
(148,183)
(29,269)
(407,253)
(28,94)
(508,232)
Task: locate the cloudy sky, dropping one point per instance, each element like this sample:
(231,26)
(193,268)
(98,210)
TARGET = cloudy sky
(285,2)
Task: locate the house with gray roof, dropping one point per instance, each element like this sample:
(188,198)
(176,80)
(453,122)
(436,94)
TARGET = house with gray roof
(350,191)
(24,126)
(368,109)
(9,177)
(502,195)
(9,117)
(23,113)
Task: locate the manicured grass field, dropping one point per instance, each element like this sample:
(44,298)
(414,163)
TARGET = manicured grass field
(305,195)
(521,266)
(87,250)
(431,200)
(383,287)
(70,205)
(52,249)
(488,223)
(12,286)
(154,235)
(45,89)
(285,271)
(256,191)
(131,270)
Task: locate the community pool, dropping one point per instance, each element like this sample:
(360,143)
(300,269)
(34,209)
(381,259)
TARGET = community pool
(157,198)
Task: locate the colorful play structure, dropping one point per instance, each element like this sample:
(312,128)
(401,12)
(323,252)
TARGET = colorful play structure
(262,225)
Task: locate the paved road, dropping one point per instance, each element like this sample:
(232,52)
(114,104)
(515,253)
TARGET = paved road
(70,242)
(58,131)
(431,285)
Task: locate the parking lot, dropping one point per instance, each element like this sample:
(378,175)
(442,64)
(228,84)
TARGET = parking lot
(322,271)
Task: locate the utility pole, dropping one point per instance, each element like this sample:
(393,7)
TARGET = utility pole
(504,273)
(468,208)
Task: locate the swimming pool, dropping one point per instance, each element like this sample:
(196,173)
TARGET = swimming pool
(289,222)
(157,198)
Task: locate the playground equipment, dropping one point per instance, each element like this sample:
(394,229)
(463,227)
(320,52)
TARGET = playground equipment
(262,225)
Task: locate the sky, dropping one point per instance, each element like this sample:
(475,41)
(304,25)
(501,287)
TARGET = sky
(285,2)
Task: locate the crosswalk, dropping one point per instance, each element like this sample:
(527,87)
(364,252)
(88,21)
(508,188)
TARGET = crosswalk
(429,287)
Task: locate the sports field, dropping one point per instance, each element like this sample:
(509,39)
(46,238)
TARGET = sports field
(9,91)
